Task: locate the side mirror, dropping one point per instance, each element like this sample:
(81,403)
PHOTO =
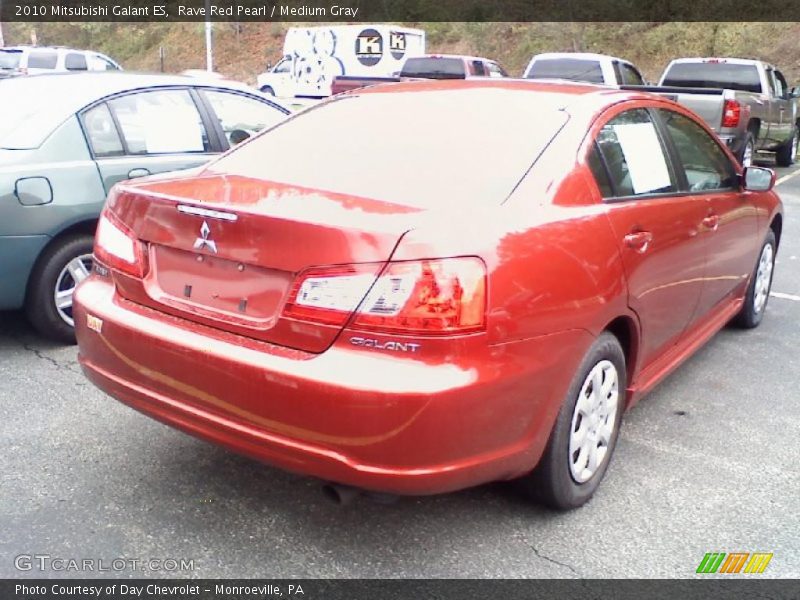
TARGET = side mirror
(758,179)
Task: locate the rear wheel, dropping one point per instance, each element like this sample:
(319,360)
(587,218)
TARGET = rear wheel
(59,270)
(586,430)
(755,300)
(268,90)
(787,154)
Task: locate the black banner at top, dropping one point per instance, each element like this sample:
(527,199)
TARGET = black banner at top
(348,11)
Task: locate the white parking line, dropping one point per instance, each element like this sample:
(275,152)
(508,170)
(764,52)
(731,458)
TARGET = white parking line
(785,296)
(786,178)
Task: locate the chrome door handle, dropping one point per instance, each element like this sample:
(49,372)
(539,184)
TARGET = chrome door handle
(639,240)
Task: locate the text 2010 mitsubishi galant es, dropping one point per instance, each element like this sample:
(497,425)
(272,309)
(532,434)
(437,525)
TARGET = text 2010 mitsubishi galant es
(421,287)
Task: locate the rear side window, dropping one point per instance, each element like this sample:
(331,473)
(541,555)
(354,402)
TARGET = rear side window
(478,69)
(42,59)
(571,69)
(434,68)
(102,132)
(496,70)
(75,62)
(630,76)
(632,157)
(714,75)
(707,167)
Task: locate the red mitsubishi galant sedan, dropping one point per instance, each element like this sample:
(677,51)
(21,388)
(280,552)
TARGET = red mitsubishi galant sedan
(421,287)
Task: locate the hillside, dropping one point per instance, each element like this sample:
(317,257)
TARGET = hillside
(243,49)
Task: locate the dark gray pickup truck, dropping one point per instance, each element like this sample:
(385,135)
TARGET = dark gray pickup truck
(747,102)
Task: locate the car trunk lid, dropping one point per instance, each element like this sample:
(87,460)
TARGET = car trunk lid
(224,251)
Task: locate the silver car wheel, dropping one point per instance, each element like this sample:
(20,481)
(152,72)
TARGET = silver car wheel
(593,421)
(763,278)
(71,275)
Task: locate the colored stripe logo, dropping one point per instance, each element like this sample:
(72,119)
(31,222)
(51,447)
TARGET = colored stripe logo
(734,562)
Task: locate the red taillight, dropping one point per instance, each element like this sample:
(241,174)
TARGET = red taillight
(117,247)
(441,296)
(731,113)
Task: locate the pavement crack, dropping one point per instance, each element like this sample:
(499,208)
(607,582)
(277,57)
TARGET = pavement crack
(42,356)
(554,561)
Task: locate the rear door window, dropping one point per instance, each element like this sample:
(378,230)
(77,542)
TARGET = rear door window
(74,61)
(42,59)
(632,157)
(706,165)
(571,69)
(160,122)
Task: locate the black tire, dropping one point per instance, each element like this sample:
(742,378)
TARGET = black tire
(268,90)
(40,304)
(749,142)
(787,154)
(553,482)
(752,313)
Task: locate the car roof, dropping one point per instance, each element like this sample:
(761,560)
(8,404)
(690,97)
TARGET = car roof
(723,60)
(579,56)
(553,94)
(456,56)
(77,90)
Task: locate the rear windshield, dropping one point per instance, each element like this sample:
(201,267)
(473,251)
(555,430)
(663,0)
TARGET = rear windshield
(9,59)
(423,149)
(743,78)
(571,69)
(434,68)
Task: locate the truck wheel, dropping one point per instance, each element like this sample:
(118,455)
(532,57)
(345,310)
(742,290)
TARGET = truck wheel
(787,154)
(268,90)
(58,271)
(585,432)
(748,151)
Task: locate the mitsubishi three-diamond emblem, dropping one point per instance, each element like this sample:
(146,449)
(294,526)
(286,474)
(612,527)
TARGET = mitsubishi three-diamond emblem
(203,241)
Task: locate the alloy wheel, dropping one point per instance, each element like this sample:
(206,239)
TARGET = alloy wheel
(68,279)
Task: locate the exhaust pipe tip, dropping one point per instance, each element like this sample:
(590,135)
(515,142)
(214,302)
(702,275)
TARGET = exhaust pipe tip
(340,494)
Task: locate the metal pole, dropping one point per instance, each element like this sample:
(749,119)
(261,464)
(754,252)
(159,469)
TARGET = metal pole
(209,50)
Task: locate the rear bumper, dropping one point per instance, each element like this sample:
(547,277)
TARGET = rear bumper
(349,415)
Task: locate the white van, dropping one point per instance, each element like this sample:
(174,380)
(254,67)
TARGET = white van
(313,56)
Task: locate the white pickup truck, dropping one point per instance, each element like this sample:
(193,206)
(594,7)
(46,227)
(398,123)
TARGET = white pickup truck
(583,67)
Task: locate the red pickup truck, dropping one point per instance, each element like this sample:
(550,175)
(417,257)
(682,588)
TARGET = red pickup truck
(430,66)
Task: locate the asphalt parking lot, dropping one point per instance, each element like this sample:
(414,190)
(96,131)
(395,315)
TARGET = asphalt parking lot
(710,461)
